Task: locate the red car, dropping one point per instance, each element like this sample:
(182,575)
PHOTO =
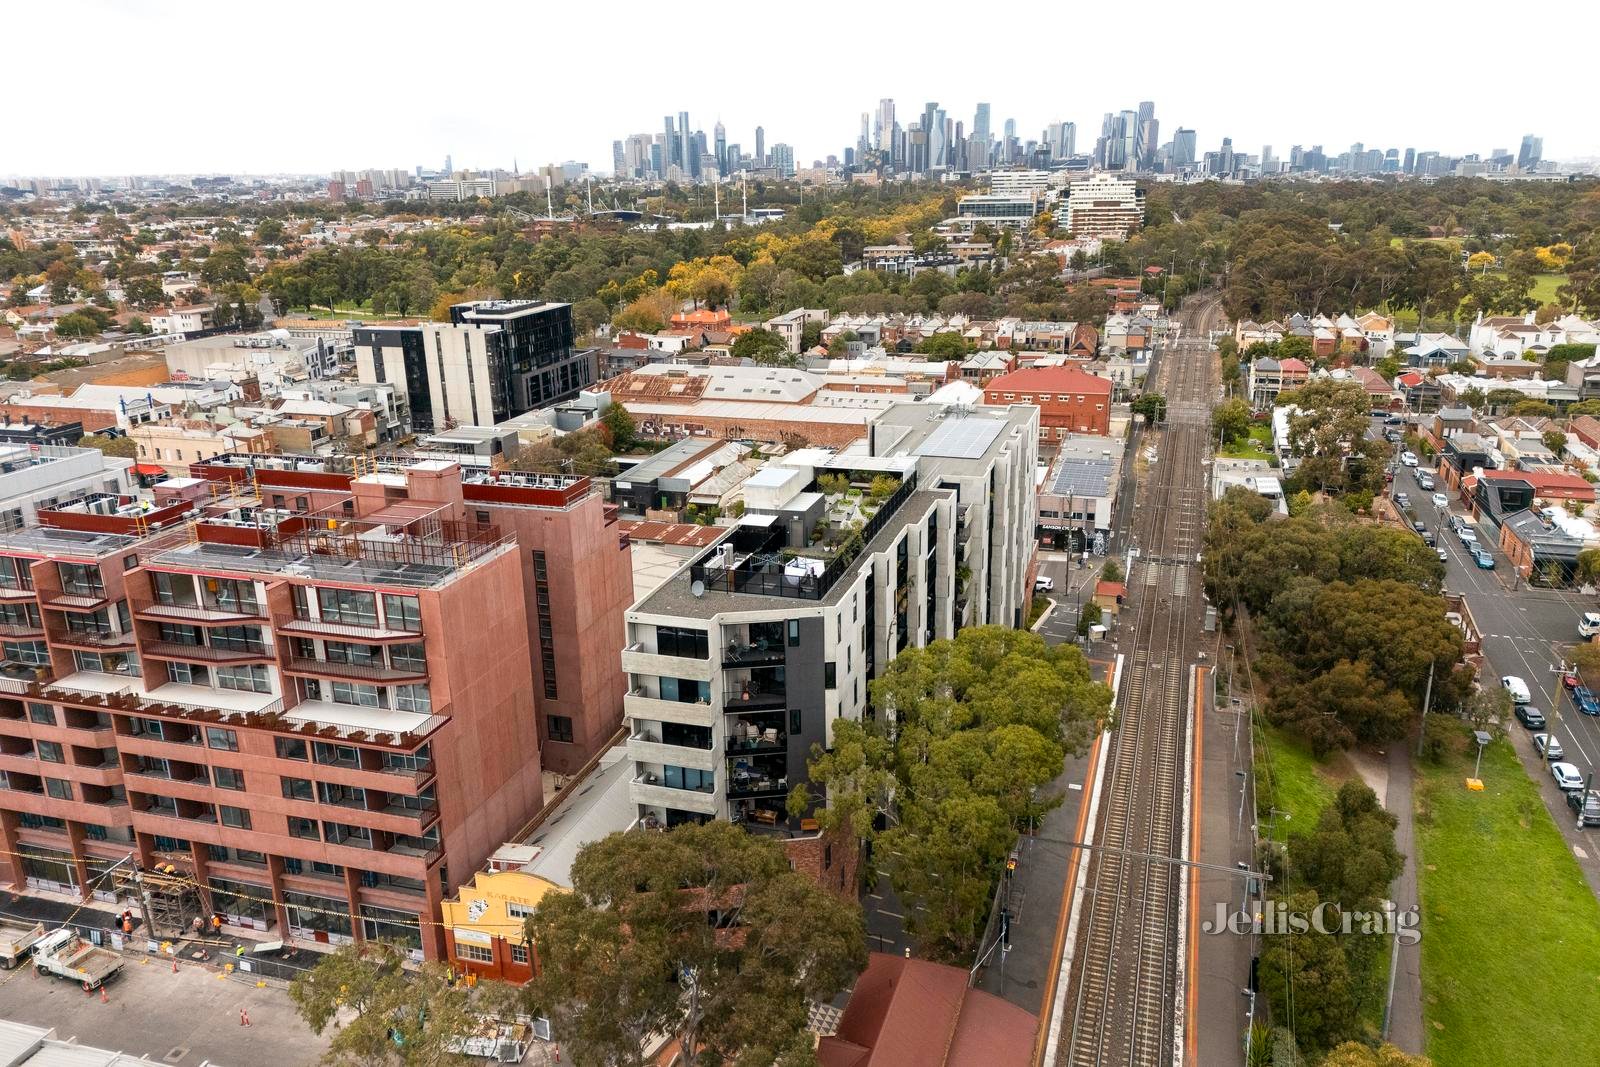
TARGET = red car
(1571,681)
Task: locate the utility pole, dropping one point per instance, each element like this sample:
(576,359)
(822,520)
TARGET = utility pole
(1427,701)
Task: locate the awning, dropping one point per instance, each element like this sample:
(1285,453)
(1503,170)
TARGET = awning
(150,470)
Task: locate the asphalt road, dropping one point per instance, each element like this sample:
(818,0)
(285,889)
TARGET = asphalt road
(1526,631)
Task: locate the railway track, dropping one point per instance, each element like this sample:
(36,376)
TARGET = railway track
(1126,985)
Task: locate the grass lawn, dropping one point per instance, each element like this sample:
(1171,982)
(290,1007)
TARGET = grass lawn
(1290,779)
(1510,930)
(1545,286)
(1257,446)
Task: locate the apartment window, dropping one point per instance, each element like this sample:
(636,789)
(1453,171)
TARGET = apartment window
(682,642)
(474,953)
(50,752)
(217,737)
(290,748)
(246,678)
(366,696)
(794,632)
(348,605)
(348,652)
(688,778)
(413,698)
(830,675)
(559,727)
(794,721)
(402,612)
(32,653)
(547,648)
(333,755)
(408,657)
(237,818)
(349,796)
(519,954)
(81,579)
(306,828)
(171,844)
(56,787)
(228,778)
(189,673)
(42,713)
(327,870)
(297,789)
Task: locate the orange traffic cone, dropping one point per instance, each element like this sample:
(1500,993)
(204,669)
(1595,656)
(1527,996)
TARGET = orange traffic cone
(103,998)
(174,965)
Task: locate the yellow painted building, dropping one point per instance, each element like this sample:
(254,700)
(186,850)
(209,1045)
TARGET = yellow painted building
(484,924)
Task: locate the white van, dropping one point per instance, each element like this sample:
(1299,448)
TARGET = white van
(1517,688)
(1589,624)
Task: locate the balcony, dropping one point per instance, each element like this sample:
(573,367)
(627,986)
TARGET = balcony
(22,631)
(91,640)
(640,704)
(737,655)
(638,659)
(647,792)
(757,785)
(296,626)
(744,700)
(60,600)
(768,742)
(177,650)
(648,747)
(12,594)
(360,672)
(198,614)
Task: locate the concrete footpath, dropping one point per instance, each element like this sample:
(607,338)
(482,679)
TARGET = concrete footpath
(1404,1016)
(1220,962)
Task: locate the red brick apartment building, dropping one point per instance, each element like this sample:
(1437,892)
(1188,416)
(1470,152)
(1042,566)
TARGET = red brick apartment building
(319,710)
(1069,400)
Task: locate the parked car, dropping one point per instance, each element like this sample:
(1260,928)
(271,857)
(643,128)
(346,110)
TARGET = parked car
(1392,436)
(1428,538)
(1440,501)
(1587,804)
(1571,681)
(1444,557)
(1589,624)
(1393,420)
(1585,700)
(1468,537)
(1425,480)
(1483,560)
(1408,458)
(1043,584)
(1567,777)
(1458,523)
(1402,500)
(1530,716)
(1548,746)
(1517,688)
(1419,526)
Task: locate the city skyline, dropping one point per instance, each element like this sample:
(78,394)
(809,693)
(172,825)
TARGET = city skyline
(309,124)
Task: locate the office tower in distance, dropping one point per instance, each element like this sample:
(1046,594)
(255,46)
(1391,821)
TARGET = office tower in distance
(1183,147)
(1531,152)
(720,147)
(783,160)
(978,144)
(886,125)
(619,162)
(761,147)
(669,151)
(449,166)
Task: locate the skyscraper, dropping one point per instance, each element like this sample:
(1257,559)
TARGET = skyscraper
(761,147)
(886,125)
(669,148)
(978,144)
(1410,164)
(1531,152)
(864,142)
(1183,147)
(686,153)
(1147,136)
(721,150)
(619,163)
(783,159)
(1128,124)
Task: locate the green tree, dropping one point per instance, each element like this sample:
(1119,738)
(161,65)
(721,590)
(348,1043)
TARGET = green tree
(400,1017)
(1090,616)
(762,346)
(1341,706)
(1312,965)
(1231,420)
(1326,428)
(630,951)
(944,346)
(1355,1054)
(1588,567)
(1153,406)
(1349,857)
(619,422)
(1111,571)
(810,335)
(1555,441)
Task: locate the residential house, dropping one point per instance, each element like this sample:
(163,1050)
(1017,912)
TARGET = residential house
(1419,391)
(1069,400)
(1270,377)
(1436,350)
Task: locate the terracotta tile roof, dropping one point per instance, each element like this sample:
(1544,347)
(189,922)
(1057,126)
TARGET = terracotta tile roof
(1064,379)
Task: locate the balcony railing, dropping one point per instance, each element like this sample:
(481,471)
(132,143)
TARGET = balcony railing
(757,786)
(652,778)
(740,655)
(22,630)
(178,650)
(755,701)
(63,601)
(198,613)
(92,639)
(361,672)
(751,746)
(12,592)
(301,627)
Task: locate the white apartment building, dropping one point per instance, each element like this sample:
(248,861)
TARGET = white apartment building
(1104,206)
(47,475)
(743,659)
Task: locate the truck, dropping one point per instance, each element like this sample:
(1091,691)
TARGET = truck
(496,1040)
(67,954)
(15,941)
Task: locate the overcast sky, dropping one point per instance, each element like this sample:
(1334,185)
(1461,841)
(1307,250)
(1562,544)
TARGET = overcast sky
(114,87)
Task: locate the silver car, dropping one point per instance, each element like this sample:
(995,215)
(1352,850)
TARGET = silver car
(1548,746)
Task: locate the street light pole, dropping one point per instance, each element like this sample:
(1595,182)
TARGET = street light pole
(1427,702)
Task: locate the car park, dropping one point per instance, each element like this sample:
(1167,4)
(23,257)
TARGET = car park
(1567,778)
(1483,560)
(1441,501)
(1530,716)
(1517,688)
(1408,458)
(1589,624)
(1548,746)
(1586,803)
(1584,700)
(1043,584)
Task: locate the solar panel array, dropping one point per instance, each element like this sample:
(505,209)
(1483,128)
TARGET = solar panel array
(961,438)
(1083,477)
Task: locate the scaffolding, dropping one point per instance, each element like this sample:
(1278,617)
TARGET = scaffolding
(170,899)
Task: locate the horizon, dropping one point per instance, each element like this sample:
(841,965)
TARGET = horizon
(293,119)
